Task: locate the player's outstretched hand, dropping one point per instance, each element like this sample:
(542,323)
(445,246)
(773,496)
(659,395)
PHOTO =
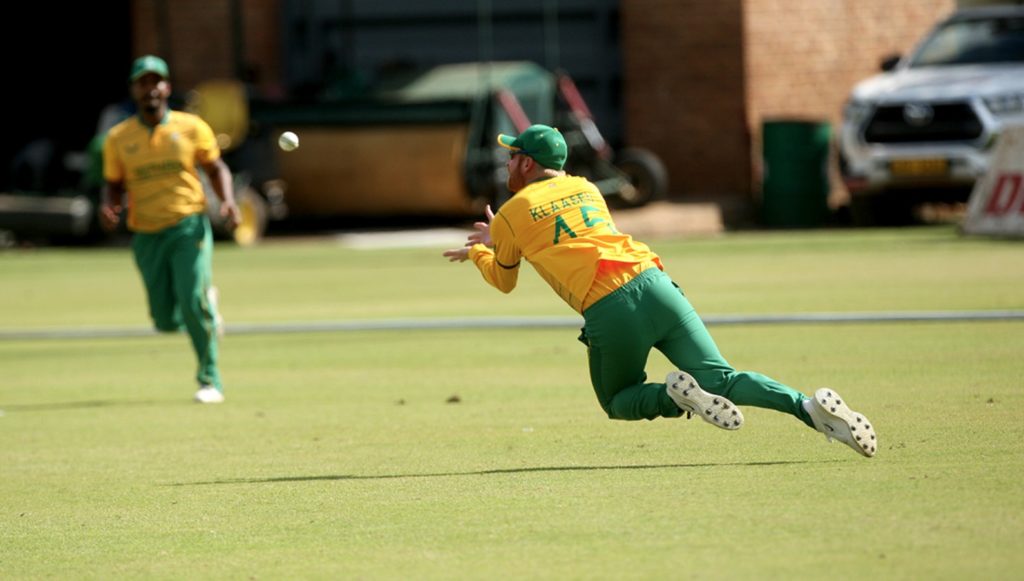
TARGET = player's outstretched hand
(457,254)
(482,235)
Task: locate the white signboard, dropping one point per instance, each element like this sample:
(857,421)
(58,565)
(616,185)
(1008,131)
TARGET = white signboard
(997,202)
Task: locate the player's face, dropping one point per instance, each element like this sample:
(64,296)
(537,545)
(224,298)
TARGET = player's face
(517,166)
(150,92)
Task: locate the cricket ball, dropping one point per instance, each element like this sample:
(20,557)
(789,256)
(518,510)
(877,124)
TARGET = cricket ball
(288,141)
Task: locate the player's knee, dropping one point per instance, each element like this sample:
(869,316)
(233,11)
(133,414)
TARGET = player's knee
(619,409)
(166,323)
(607,408)
(166,326)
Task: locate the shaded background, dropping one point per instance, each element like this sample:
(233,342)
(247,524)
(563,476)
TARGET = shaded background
(691,80)
(59,98)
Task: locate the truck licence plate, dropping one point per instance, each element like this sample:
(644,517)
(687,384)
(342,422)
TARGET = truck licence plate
(919,167)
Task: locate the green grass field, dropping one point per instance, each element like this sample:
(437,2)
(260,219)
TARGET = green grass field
(340,455)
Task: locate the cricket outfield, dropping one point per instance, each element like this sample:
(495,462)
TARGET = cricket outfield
(481,452)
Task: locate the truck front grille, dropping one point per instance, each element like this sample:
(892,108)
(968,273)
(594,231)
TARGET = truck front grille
(949,122)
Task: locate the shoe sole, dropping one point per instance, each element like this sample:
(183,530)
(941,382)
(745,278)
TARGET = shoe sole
(858,433)
(713,409)
(203,399)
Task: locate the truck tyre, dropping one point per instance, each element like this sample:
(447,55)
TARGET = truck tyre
(645,172)
(881,210)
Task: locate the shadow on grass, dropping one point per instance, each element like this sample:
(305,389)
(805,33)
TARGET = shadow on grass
(78,405)
(333,477)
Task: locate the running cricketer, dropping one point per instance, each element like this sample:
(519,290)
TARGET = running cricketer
(154,156)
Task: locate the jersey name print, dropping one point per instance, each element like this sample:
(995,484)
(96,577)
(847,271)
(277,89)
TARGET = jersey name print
(158,166)
(552,223)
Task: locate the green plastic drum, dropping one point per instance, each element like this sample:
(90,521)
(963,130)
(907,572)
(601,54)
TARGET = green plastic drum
(796,176)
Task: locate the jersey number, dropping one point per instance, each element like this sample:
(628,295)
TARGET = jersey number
(591,217)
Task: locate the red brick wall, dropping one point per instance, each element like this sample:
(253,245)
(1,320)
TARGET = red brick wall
(263,43)
(196,38)
(804,56)
(702,75)
(684,88)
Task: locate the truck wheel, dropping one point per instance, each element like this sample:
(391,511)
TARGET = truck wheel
(253,209)
(645,173)
(863,212)
(885,209)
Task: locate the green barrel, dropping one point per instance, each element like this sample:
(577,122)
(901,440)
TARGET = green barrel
(796,176)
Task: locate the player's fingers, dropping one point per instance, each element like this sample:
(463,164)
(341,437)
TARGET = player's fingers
(489,213)
(109,216)
(456,254)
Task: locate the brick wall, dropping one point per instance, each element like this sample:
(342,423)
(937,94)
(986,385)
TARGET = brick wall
(702,75)
(263,44)
(803,56)
(197,38)
(683,90)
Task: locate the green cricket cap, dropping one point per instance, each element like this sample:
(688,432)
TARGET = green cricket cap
(148,64)
(544,144)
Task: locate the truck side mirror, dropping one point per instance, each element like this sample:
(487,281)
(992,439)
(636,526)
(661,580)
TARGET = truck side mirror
(889,63)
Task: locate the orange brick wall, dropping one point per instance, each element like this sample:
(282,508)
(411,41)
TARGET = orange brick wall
(701,75)
(683,90)
(803,56)
(197,39)
(263,44)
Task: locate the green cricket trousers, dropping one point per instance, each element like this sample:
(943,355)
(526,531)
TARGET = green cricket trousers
(175,264)
(651,312)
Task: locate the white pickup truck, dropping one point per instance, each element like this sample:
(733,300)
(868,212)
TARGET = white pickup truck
(923,130)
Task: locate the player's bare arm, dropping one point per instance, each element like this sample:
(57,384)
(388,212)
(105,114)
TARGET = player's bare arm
(110,209)
(220,179)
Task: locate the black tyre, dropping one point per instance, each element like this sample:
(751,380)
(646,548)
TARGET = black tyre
(884,209)
(645,173)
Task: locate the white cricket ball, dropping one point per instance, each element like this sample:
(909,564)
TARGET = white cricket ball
(288,141)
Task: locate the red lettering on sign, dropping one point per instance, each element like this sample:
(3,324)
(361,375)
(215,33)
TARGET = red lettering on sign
(1005,194)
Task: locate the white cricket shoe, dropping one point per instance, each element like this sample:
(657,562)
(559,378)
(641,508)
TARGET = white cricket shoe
(837,421)
(209,394)
(713,409)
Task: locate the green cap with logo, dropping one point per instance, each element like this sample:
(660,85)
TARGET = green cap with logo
(148,64)
(544,144)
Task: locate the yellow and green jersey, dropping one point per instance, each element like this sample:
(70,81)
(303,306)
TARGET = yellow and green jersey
(562,226)
(158,167)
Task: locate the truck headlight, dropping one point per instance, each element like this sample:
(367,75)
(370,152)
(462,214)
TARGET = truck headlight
(1005,105)
(856,112)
